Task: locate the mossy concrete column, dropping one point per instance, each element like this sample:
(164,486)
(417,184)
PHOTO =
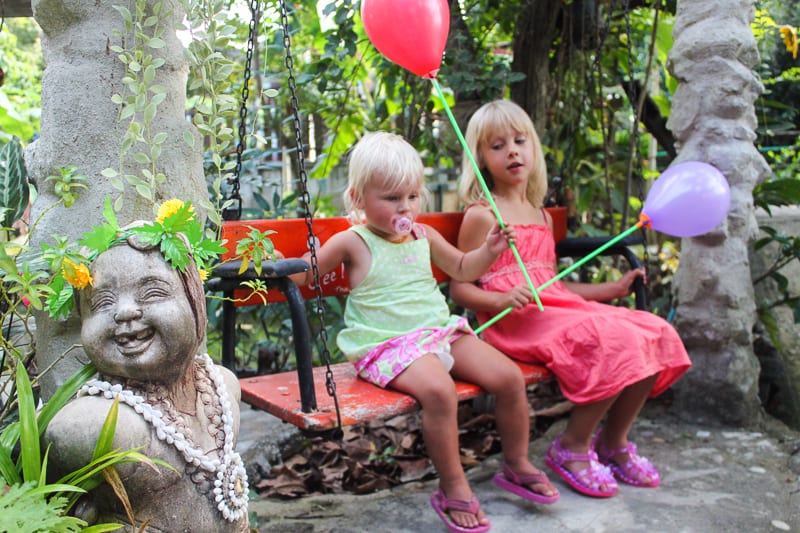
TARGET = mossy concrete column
(713,120)
(80,127)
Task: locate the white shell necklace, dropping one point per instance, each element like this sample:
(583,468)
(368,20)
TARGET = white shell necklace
(230,478)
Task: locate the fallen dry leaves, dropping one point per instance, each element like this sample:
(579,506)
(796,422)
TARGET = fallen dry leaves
(385,453)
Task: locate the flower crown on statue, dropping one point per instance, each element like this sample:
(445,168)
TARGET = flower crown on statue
(176,232)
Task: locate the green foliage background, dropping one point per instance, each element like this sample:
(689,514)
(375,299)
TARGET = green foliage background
(344,87)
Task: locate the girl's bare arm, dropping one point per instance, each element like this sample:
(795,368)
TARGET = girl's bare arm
(470,265)
(340,248)
(603,292)
(476,223)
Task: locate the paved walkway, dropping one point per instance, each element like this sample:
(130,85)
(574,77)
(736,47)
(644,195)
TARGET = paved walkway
(714,479)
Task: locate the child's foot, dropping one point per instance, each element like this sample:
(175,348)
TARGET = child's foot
(527,482)
(460,516)
(581,471)
(626,465)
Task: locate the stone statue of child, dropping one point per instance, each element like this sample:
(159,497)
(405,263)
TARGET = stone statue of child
(142,324)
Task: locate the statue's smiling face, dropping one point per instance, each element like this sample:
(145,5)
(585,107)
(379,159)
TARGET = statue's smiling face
(137,321)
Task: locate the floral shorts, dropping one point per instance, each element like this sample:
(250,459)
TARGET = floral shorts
(388,360)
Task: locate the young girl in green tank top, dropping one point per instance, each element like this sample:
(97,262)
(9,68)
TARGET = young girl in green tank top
(400,334)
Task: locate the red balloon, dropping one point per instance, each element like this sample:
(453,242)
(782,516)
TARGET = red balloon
(411,33)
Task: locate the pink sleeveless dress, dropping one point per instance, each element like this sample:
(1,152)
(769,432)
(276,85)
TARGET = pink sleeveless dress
(595,350)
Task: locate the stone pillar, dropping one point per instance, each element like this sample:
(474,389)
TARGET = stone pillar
(777,342)
(713,120)
(80,128)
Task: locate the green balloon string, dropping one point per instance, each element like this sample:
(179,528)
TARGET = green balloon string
(576,264)
(486,191)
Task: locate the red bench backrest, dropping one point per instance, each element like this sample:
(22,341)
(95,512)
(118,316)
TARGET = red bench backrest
(290,238)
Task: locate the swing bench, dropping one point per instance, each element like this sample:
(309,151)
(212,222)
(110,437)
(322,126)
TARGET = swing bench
(327,398)
(303,397)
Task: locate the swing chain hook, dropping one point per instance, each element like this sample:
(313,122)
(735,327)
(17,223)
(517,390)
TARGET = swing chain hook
(305,199)
(234,212)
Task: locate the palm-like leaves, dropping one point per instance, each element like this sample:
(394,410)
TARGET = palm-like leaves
(28,474)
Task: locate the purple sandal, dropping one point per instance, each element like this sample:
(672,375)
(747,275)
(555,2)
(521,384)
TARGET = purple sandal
(589,480)
(635,470)
(519,485)
(442,504)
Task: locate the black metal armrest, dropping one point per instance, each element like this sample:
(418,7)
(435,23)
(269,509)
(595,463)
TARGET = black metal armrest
(269,269)
(582,246)
(276,275)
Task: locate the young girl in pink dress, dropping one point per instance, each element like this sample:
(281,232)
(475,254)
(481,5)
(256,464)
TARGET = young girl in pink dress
(607,359)
(400,334)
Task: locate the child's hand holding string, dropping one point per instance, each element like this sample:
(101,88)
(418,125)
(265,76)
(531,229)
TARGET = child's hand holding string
(499,239)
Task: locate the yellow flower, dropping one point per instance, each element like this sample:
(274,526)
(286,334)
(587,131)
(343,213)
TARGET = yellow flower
(789,34)
(76,275)
(169,208)
(203,274)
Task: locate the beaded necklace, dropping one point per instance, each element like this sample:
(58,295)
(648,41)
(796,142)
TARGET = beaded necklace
(227,469)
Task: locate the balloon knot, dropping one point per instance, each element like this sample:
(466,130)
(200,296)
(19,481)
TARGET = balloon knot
(644,220)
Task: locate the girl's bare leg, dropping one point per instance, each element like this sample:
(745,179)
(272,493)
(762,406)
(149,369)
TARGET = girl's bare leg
(622,414)
(427,380)
(581,426)
(480,363)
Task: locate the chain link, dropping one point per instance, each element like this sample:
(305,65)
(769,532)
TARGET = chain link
(235,180)
(305,199)
(636,165)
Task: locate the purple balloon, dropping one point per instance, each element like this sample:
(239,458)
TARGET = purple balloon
(688,199)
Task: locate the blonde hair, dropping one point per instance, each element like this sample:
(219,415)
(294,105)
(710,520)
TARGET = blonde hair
(489,120)
(383,160)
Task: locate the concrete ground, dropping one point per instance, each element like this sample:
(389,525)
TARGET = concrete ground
(714,479)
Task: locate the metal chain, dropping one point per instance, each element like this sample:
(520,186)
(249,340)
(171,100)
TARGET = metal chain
(636,166)
(236,213)
(305,199)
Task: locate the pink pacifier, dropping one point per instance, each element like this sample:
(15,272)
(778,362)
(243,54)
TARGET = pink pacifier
(401,225)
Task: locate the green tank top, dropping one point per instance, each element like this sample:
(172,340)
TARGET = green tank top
(398,295)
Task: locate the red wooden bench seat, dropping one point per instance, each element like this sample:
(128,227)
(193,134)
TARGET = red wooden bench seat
(301,397)
(359,400)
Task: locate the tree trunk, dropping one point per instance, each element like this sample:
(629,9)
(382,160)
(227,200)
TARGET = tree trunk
(535,32)
(79,127)
(713,120)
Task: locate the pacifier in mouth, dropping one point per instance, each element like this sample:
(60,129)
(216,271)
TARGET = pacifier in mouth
(401,225)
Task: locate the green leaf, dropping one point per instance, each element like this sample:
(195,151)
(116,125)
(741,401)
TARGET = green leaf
(101,237)
(156,43)
(61,301)
(63,394)
(25,508)
(106,437)
(151,234)
(188,138)
(56,487)
(175,251)
(13,182)
(8,471)
(7,263)
(101,528)
(29,433)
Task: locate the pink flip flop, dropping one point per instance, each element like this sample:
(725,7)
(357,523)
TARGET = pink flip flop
(589,480)
(441,504)
(518,484)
